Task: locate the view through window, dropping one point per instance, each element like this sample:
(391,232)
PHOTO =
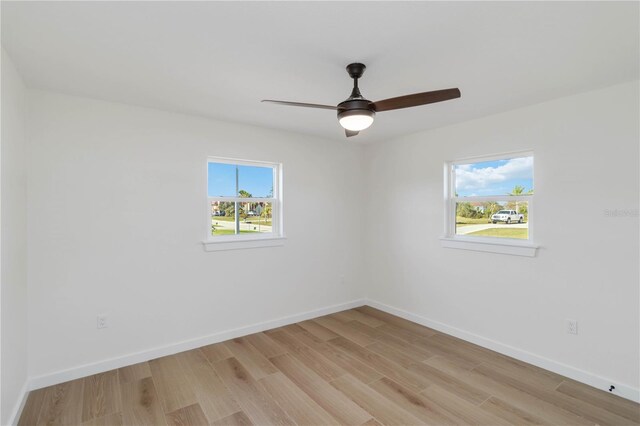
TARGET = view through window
(492,197)
(243,198)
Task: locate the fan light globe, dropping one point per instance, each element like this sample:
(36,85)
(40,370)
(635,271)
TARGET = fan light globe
(358,121)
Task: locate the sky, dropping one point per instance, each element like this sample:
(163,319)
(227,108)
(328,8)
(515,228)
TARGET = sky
(494,177)
(258,181)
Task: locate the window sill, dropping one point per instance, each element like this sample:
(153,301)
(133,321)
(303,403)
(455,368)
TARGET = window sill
(242,243)
(514,248)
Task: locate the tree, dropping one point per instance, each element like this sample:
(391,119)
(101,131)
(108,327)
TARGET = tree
(230,211)
(266,211)
(226,207)
(465,209)
(491,208)
(244,207)
(516,191)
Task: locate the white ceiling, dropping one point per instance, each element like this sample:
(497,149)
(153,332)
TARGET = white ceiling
(220,59)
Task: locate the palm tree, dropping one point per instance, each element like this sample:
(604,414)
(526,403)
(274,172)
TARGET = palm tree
(519,190)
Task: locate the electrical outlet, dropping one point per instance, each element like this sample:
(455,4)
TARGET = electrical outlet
(103,321)
(572,326)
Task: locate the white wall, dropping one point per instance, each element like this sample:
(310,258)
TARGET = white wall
(116,198)
(586,161)
(117,205)
(13,231)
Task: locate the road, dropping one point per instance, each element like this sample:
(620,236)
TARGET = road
(467,229)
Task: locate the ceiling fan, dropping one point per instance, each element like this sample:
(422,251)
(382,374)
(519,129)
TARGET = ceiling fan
(356,113)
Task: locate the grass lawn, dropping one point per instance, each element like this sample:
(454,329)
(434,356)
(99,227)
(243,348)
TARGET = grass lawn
(230,232)
(464,221)
(521,233)
(222,218)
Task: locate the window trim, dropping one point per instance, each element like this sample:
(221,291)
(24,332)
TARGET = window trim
(231,242)
(487,244)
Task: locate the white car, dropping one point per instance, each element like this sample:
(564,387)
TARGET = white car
(507,216)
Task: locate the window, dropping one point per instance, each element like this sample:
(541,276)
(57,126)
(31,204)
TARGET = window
(244,202)
(490,200)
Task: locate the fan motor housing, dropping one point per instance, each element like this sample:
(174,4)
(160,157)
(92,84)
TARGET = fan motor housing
(355,107)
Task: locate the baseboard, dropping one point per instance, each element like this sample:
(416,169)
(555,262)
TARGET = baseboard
(134,358)
(576,374)
(582,376)
(17,409)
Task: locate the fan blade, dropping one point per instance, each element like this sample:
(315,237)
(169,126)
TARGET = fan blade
(350,133)
(416,99)
(300,104)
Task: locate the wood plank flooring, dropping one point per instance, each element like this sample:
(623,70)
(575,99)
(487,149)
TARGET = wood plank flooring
(357,367)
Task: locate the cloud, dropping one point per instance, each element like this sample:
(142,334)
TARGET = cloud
(469,177)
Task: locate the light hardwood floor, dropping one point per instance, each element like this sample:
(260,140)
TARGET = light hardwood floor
(357,367)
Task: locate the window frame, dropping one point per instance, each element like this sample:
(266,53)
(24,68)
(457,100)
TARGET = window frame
(488,244)
(237,241)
